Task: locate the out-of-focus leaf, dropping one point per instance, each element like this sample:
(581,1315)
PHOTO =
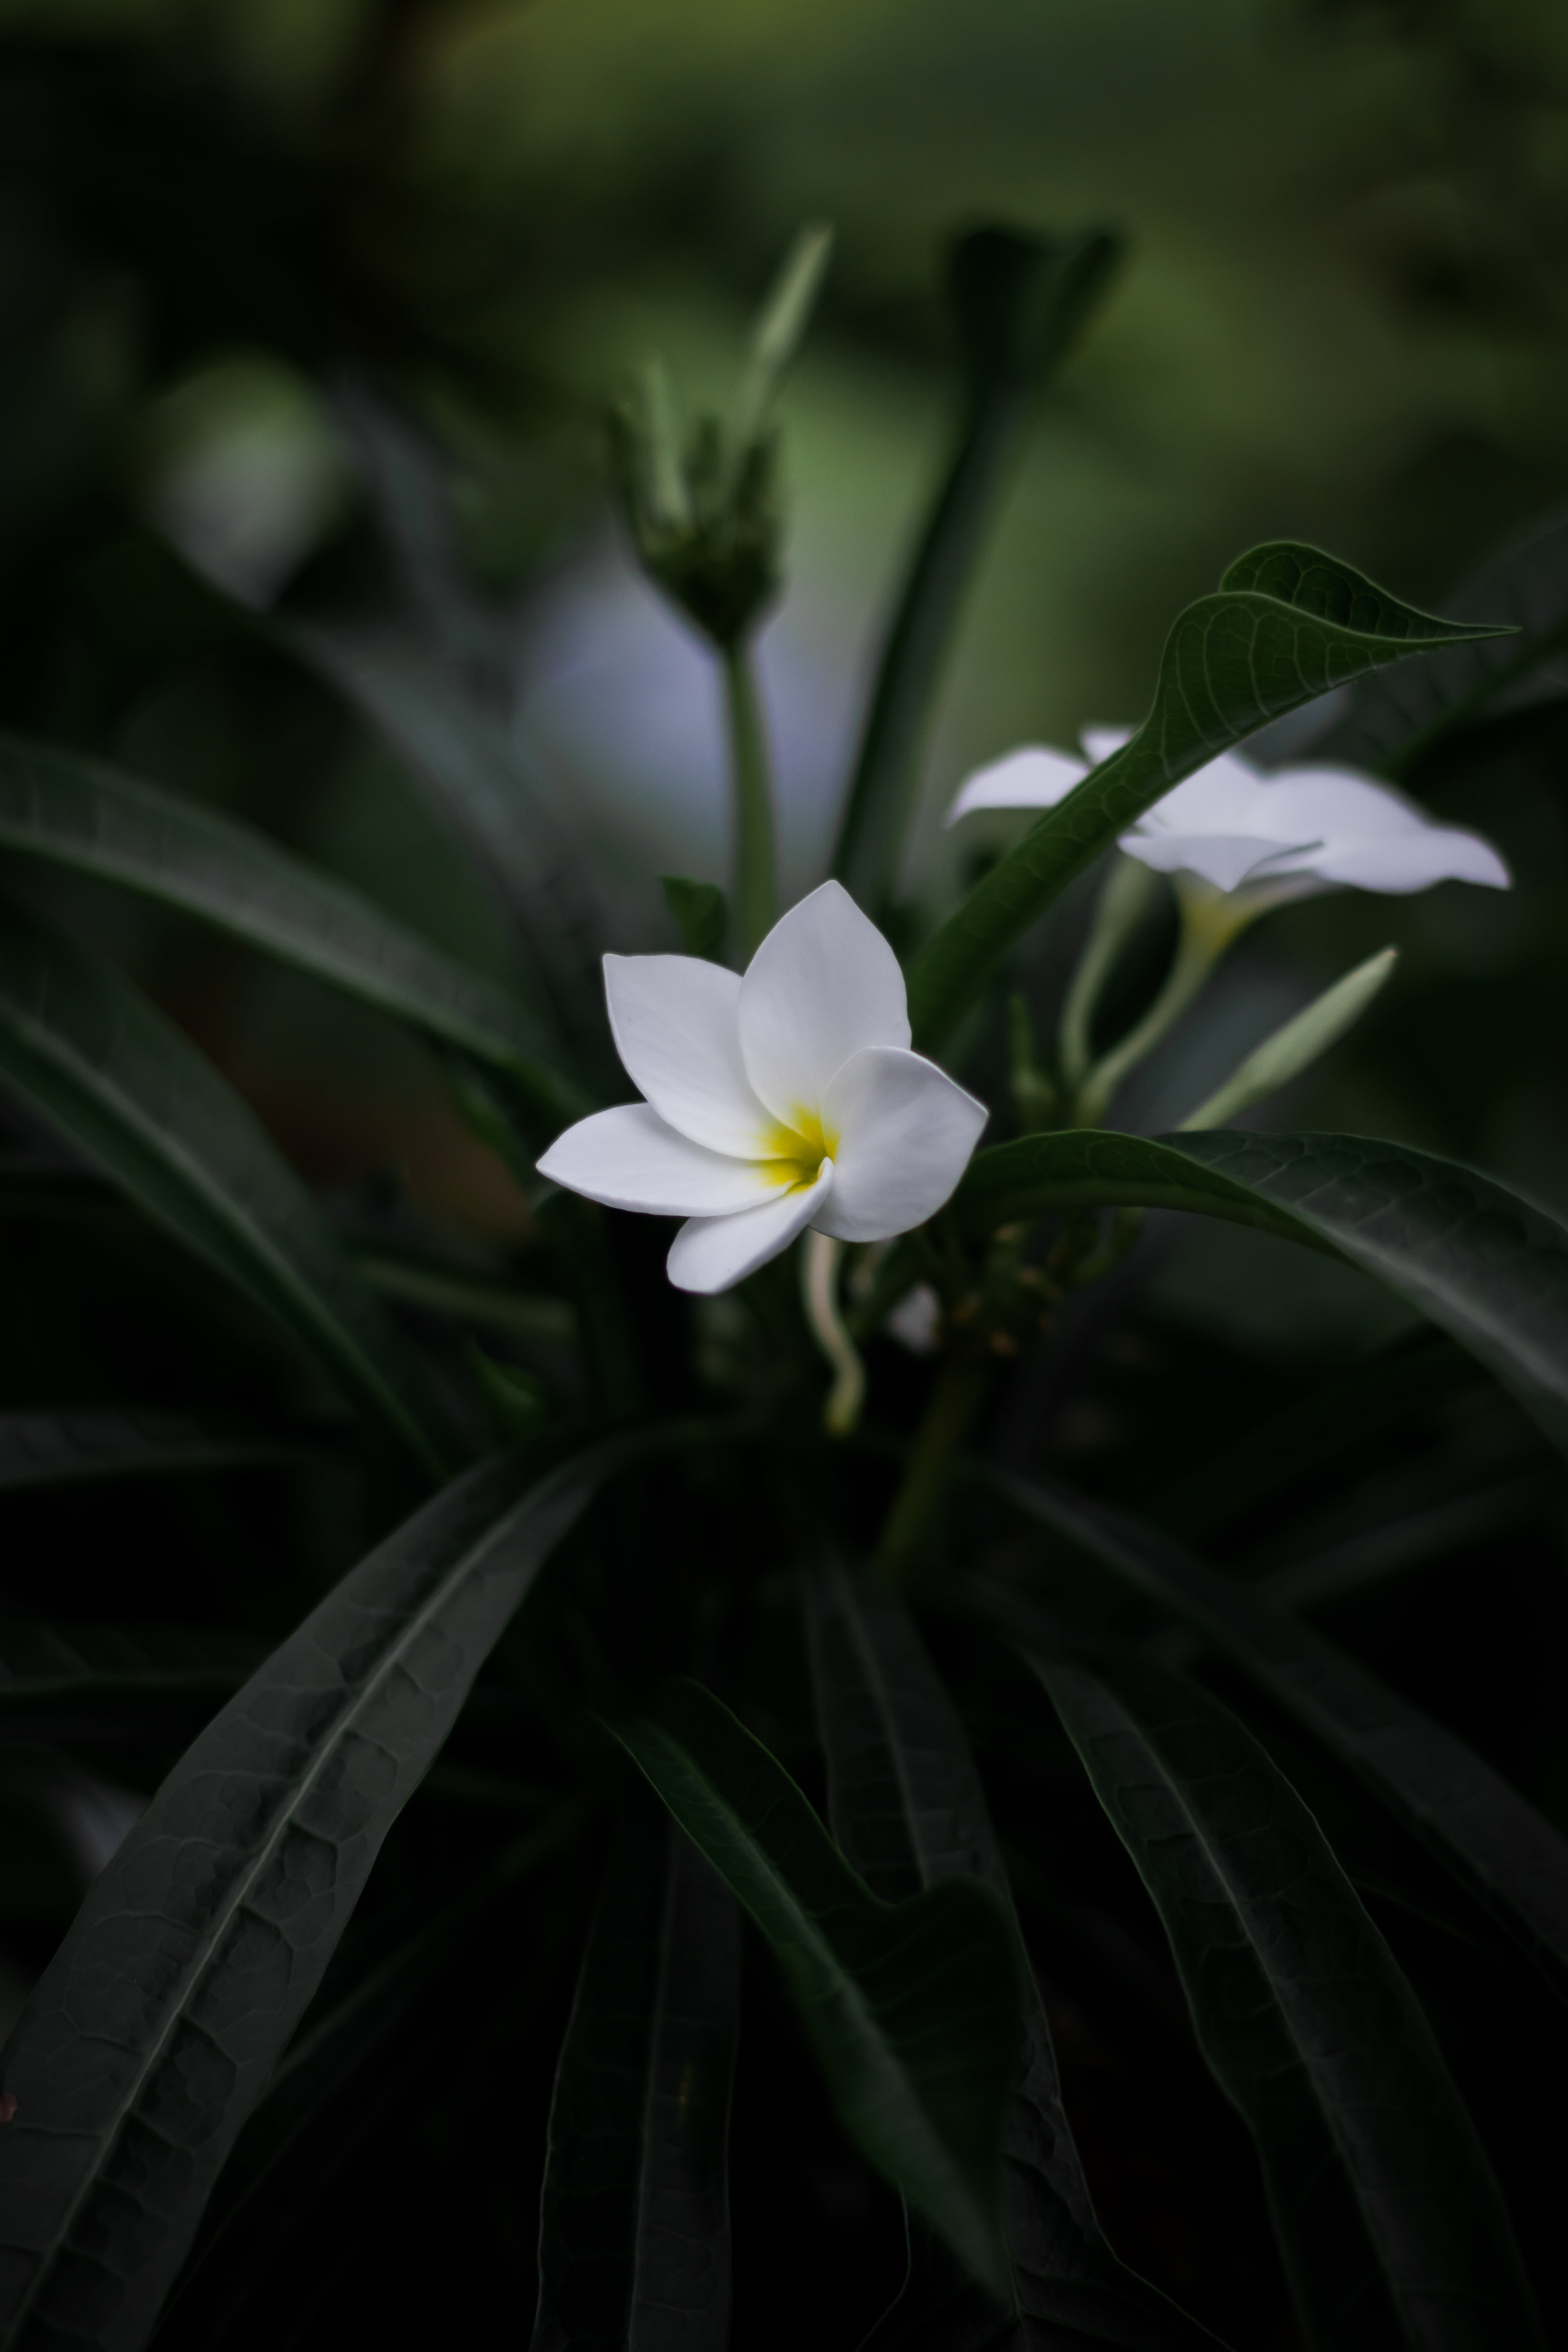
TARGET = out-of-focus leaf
(634,2241)
(487,790)
(1306,1578)
(703,913)
(1361,1403)
(74,811)
(1388,723)
(1373,2164)
(1489,1267)
(1507,1855)
(333,2086)
(45,1663)
(420,1279)
(1286,623)
(63,1449)
(136,1097)
(913,2008)
(908,1810)
(1019,304)
(151,2032)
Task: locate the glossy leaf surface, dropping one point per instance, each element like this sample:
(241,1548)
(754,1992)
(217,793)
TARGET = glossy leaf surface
(134,1094)
(635,2222)
(1488,1266)
(76,813)
(1286,623)
(1508,1856)
(1369,2153)
(913,2008)
(908,1810)
(153,2029)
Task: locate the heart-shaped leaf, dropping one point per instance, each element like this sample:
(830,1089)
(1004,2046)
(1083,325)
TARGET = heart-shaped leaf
(1373,2167)
(151,2032)
(913,2008)
(137,1097)
(1490,1268)
(1286,623)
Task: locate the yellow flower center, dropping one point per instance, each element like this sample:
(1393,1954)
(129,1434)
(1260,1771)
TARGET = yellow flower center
(797,1151)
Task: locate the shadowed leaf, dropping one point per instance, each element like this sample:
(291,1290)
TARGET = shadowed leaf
(1377,2181)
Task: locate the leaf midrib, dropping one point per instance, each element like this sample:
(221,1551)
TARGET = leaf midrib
(167,1146)
(494,1532)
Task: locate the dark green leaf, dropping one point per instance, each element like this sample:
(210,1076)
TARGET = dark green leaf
(43,1662)
(908,1812)
(1507,1855)
(634,2241)
(1371,2160)
(1286,623)
(1490,1268)
(151,2032)
(137,1097)
(1388,723)
(345,2076)
(468,760)
(1019,304)
(1302,1578)
(74,811)
(703,913)
(62,1449)
(913,2008)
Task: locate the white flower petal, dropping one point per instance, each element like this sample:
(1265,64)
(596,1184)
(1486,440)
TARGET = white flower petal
(1407,862)
(676,1023)
(822,985)
(1226,796)
(904,1134)
(1032,777)
(1224,859)
(1099,742)
(713,1253)
(629,1159)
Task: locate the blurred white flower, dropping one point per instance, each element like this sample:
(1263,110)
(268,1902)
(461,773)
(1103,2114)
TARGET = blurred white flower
(785,1100)
(1261,837)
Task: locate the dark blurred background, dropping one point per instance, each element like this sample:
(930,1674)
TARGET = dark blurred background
(1342,319)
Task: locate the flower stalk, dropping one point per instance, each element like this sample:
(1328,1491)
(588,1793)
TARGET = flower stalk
(755,888)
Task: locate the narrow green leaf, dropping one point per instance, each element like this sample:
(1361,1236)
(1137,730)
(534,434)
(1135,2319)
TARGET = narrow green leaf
(344,2076)
(1019,304)
(75,812)
(634,2241)
(912,2008)
(1508,1856)
(1489,1267)
(1306,1578)
(1371,2160)
(63,1449)
(1389,723)
(42,1662)
(468,761)
(703,913)
(136,1097)
(151,2032)
(908,1810)
(1286,623)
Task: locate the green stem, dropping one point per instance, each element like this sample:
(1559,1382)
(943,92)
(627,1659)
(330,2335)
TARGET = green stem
(754,887)
(954,1401)
(1128,887)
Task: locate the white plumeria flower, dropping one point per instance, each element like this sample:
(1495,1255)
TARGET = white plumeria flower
(784,1099)
(1265,837)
